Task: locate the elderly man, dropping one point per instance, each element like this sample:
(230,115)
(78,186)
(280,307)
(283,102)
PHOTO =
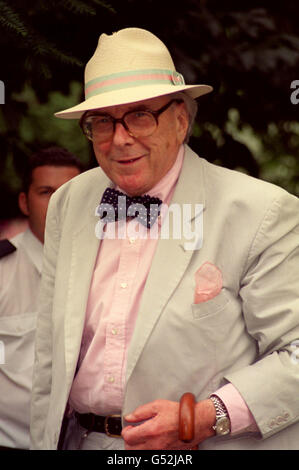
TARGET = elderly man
(150,340)
(20,274)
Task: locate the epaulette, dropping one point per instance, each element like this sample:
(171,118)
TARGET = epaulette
(6,248)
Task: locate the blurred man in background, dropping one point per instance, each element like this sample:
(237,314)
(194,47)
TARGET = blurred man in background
(20,273)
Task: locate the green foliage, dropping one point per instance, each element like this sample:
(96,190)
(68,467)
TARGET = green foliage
(248,51)
(10,19)
(39,125)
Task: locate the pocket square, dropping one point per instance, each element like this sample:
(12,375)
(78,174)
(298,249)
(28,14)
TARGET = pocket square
(208,282)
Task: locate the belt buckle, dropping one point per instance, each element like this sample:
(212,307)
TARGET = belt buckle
(106,425)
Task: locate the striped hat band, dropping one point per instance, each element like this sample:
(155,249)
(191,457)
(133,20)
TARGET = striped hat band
(130,79)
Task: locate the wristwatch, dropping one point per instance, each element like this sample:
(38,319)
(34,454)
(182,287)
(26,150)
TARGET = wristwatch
(222,425)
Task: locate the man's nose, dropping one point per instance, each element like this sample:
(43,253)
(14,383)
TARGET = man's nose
(121,136)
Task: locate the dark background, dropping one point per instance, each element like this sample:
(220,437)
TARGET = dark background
(248,51)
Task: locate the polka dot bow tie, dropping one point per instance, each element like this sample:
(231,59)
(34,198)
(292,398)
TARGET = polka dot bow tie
(116,205)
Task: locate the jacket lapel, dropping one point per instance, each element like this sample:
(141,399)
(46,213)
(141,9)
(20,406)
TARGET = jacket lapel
(84,248)
(171,258)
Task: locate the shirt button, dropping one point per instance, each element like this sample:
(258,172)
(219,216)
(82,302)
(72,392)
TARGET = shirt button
(114,331)
(132,240)
(124,285)
(111,379)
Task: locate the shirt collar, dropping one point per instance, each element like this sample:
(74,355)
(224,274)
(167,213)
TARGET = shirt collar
(165,187)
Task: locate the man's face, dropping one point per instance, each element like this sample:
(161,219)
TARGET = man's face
(45,180)
(137,164)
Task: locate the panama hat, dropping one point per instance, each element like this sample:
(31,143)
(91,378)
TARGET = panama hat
(127,66)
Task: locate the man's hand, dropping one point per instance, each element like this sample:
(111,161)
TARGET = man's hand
(160,430)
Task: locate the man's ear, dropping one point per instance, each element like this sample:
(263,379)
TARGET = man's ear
(23,203)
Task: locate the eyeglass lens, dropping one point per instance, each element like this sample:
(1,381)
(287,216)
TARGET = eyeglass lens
(139,123)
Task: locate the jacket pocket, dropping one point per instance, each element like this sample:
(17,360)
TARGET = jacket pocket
(213,306)
(17,334)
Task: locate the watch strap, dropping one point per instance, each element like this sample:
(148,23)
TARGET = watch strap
(219,407)
(221,415)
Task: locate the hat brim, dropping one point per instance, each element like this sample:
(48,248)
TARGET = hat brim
(118,97)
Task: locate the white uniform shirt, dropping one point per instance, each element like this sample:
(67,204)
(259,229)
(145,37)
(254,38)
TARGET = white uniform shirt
(20,274)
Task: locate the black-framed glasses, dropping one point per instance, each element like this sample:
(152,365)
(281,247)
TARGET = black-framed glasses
(138,123)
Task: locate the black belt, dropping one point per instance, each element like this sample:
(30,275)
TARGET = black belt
(110,425)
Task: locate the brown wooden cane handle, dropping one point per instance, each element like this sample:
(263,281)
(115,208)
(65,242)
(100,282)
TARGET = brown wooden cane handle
(186,417)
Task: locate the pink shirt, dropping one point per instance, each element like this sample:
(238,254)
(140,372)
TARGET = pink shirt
(117,285)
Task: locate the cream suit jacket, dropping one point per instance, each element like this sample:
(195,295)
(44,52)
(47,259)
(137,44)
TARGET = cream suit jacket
(246,335)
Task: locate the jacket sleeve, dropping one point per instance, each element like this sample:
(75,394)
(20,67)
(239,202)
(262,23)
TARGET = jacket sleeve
(270,295)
